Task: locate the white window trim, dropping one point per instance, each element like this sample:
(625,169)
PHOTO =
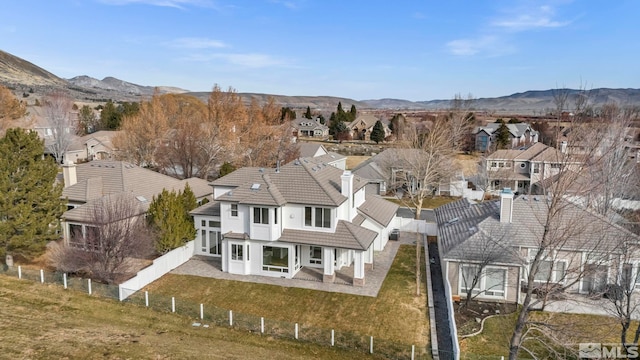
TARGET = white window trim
(313,217)
(480,288)
(554,260)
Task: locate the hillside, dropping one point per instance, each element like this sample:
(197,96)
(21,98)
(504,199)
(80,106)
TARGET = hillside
(23,76)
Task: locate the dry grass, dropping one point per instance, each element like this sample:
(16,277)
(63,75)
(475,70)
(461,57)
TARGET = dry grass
(396,314)
(569,328)
(353,161)
(47,322)
(468,163)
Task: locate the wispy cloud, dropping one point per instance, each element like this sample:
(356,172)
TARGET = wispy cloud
(249,60)
(196,43)
(499,32)
(291,4)
(179,4)
(521,19)
(488,45)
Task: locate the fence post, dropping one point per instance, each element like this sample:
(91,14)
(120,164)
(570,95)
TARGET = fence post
(19,272)
(41,276)
(333,338)
(296,331)
(201,311)
(173,304)
(89,285)
(371,345)
(413,352)
(230,317)
(64,279)
(146,298)
(262,325)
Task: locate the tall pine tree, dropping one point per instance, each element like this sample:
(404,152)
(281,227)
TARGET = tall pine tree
(30,198)
(377,133)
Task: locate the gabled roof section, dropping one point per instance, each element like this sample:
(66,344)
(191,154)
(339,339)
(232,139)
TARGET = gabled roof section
(311,149)
(346,236)
(458,220)
(379,209)
(260,191)
(90,212)
(529,153)
(299,182)
(368,119)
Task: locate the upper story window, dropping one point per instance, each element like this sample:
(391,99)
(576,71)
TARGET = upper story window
(234,209)
(317,217)
(260,215)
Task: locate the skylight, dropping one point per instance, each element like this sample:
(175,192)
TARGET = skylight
(255,186)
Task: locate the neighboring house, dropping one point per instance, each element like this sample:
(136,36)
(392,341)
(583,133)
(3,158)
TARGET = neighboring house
(99,145)
(310,128)
(87,185)
(273,222)
(361,127)
(501,237)
(519,134)
(524,170)
(318,154)
(381,172)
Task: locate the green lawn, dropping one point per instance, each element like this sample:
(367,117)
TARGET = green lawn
(396,314)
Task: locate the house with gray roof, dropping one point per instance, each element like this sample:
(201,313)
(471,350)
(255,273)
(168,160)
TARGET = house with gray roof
(525,169)
(497,241)
(310,128)
(274,222)
(520,134)
(88,185)
(362,126)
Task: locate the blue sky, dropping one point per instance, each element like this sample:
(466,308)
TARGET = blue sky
(414,50)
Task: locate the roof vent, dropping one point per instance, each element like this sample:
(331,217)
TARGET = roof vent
(535,198)
(141,198)
(453,221)
(255,186)
(261,170)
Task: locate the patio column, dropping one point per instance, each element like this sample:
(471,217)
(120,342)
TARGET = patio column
(329,261)
(358,268)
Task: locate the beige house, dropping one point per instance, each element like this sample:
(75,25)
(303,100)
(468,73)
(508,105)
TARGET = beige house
(361,127)
(523,170)
(496,241)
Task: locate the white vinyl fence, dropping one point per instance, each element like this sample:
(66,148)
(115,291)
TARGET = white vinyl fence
(159,268)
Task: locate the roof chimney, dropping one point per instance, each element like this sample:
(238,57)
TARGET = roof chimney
(69,173)
(563,147)
(347,191)
(506,205)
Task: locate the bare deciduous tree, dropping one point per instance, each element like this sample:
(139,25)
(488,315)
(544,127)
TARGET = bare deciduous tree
(461,121)
(426,159)
(62,121)
(115,235)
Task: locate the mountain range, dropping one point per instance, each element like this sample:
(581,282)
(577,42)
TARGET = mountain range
(24,77)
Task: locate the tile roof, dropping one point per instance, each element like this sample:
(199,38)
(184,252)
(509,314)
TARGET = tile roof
(89,212)
(379,209)
(310,149)
(463,227)
(346,236)
(368,119)
(299,182)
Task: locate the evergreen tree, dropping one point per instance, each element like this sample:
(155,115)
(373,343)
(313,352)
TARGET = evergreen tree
(226,168)
(189,200)
(169,216)
(110,118)
(87,121)
(353,113)
(322,120)
(307,114)
(30,198)
(502,136)
(377,134)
